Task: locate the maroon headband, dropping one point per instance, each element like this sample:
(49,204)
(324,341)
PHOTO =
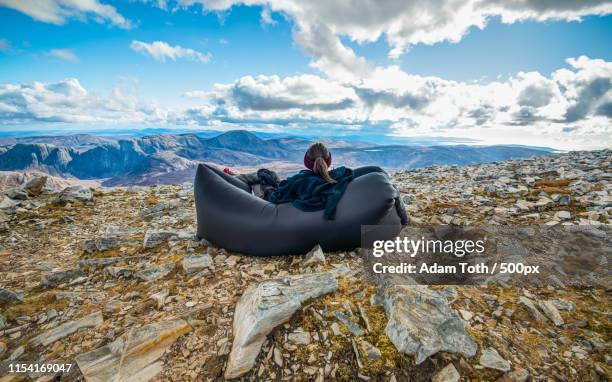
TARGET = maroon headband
(309,163)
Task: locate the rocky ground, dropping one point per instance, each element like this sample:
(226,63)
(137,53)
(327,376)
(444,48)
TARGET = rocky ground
(113,282)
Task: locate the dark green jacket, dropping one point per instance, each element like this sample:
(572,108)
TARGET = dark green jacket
(309,192)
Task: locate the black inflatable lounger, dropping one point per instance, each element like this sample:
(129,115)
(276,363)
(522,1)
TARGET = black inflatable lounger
(230,217)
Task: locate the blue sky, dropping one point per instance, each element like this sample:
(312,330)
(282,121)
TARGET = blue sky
(228,66)
(237,41)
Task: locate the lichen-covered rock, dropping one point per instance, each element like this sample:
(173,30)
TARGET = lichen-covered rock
(371,352)
(550,310)
(7,203)
(9,297)
(60,277)
(155,273)
(75,194)
(196,263)
(17,194)
(491,359)
(264,306)
(315,256)
(133,356)
(155,237)
(66,329)
(422,323)
(535,313)
(35,186)
(102,244)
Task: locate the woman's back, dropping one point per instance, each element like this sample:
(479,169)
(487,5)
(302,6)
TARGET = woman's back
(311,192)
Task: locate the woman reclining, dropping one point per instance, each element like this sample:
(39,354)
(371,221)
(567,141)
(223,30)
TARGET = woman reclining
(317,188)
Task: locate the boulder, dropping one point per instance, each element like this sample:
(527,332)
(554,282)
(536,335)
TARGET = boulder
(7,203)
(17,194)
(315,256)
(265,305)
(34,186)
(75,194)
(422,323)
(491,359)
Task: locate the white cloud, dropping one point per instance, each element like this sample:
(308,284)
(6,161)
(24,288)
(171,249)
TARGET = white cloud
(570,108)
(266,17)
(161,51)
(306,92)
(576,101)
(68,101)
(321,23)
(64,54)
(59,11)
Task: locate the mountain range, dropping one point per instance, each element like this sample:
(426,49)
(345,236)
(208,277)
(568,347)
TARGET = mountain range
(172,158)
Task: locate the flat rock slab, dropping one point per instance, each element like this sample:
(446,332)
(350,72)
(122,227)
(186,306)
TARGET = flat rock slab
(535,313)
(370,351)
(60,277)
(550,310)
(102,244)
(299,337)
(9,297)
(100,262)
(350,325)
(491,359)
(133,356)
(7,203)
(264,306)
(422,323)
(155,237)
(152,274)
(93,320)
(196,263)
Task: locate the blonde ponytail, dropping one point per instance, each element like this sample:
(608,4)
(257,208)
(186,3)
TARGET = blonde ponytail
(321,169)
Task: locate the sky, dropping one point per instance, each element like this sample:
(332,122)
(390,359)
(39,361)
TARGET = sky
(528,72)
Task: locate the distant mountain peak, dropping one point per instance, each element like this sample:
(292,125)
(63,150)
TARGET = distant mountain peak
(238,135)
